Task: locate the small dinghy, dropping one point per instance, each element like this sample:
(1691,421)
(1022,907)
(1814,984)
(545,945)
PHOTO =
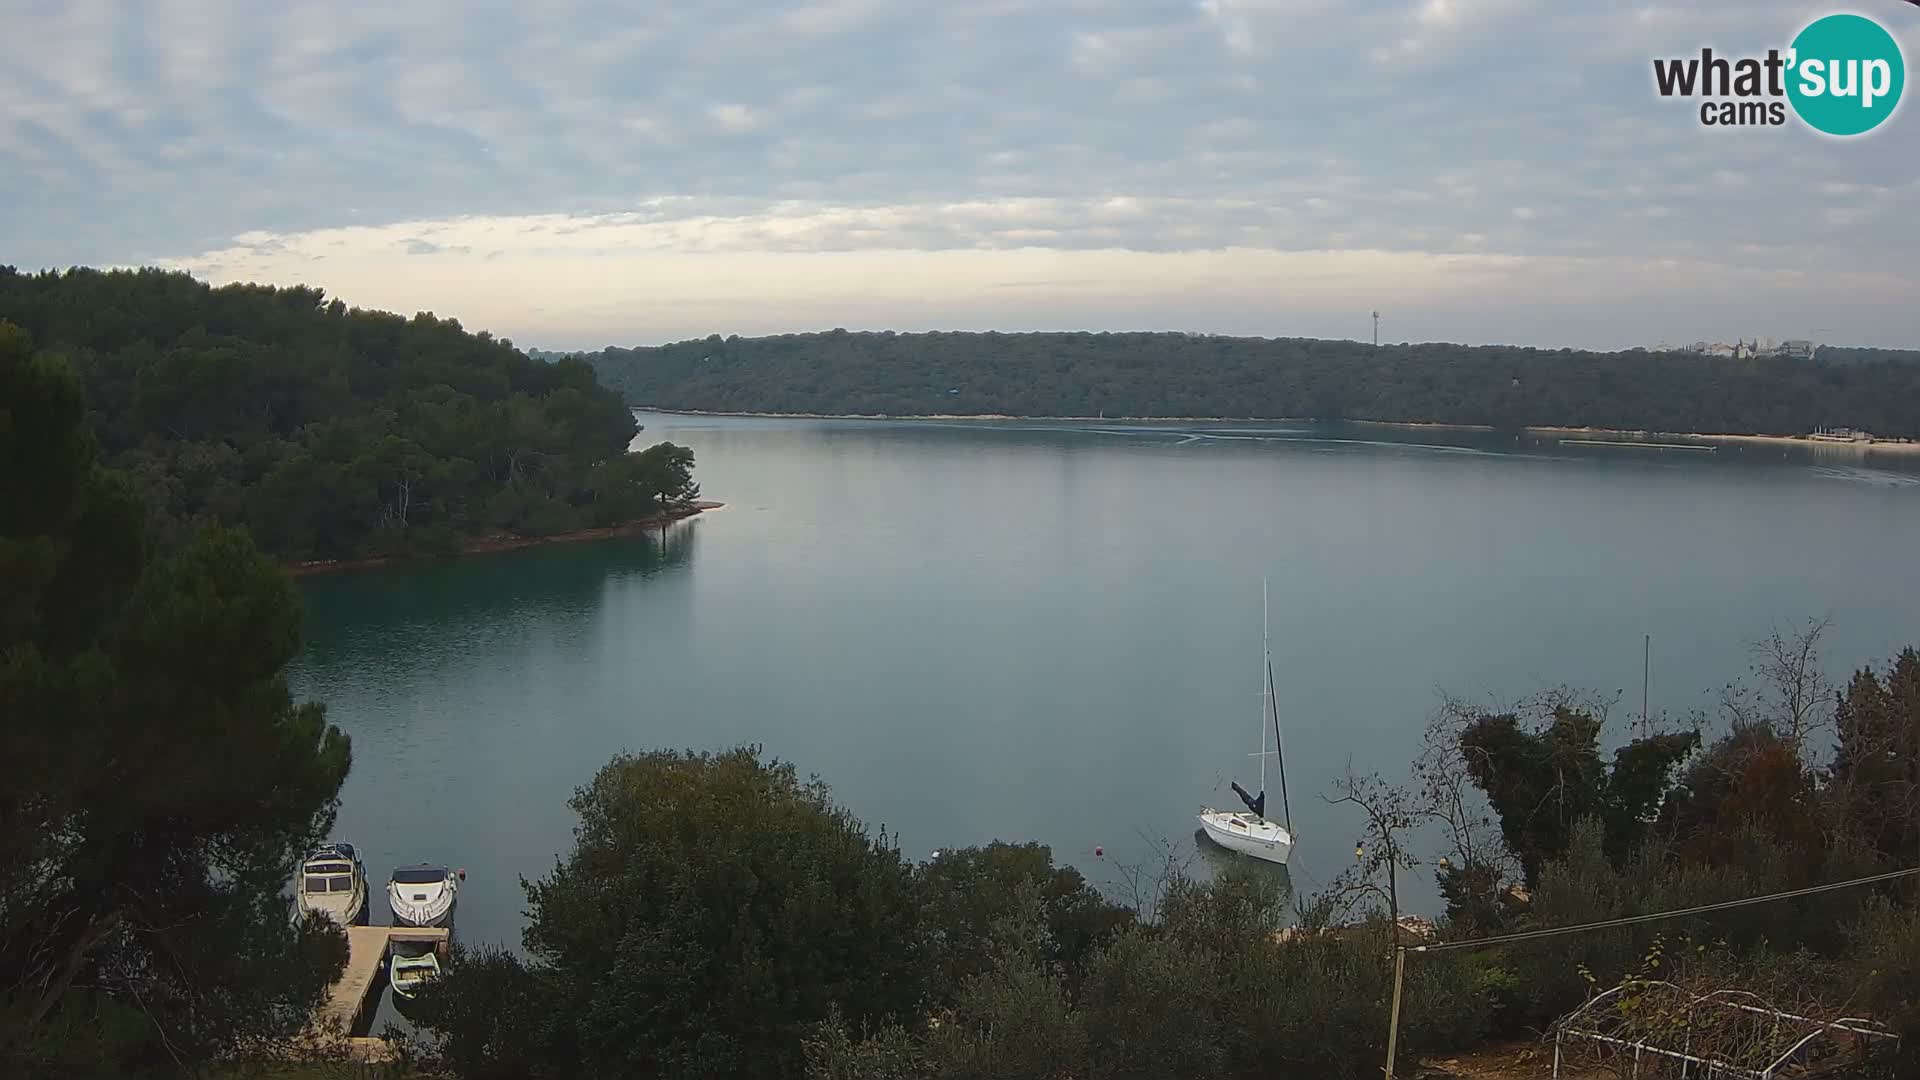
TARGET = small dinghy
(407,972)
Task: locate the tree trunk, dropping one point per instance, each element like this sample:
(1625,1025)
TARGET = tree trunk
(96,932)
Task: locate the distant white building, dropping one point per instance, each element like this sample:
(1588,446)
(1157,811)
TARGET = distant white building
(1743,349)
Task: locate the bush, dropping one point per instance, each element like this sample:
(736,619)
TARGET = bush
(1151,1008)
(715,909)
(1013,1020)
(491,1015)
(1886,969)
(1208,991)
(891,1053)
(966,893)
(1452,1000)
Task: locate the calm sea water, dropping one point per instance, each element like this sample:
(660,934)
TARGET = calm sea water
(1051,631)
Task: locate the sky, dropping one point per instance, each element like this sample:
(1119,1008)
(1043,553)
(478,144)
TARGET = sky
(574,173)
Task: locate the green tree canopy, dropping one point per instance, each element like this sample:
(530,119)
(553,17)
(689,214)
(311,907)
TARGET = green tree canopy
(332,432)
(1543,780)
(1749,778)
(966,893)
(713,908)
(1876,764)
(1182,375)
(643,483)
(159,783)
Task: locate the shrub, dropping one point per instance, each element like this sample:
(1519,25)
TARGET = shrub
(1151,1008)
(714,910)
(965,893)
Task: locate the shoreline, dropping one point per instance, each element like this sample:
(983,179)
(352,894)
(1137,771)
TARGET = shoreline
(1885,446)
(489,545)
(1890,446)
(1428,425)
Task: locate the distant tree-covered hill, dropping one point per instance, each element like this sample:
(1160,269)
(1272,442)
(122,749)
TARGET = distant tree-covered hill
(1141,375)
(332,432)
(1835,354)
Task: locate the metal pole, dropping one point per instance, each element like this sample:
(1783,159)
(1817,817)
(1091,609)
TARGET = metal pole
(1266,649)
(1393,1022)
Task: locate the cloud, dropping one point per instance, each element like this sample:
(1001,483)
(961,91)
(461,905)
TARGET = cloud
(734,117)
(415,246)
(449,143)
(677,270)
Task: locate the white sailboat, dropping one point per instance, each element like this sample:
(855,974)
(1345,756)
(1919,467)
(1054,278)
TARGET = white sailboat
(1250,832)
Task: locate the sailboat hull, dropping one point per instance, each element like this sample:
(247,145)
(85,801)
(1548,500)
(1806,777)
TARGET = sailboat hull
(1248,835)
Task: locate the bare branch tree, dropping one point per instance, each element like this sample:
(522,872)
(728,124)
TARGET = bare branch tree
(1449,797)
(1389,814)
(1143,886)
(1477,870)
(1791,692)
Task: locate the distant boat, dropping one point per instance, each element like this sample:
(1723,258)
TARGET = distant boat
(1839,434)
(1251,833)
(423,895)
(333,883)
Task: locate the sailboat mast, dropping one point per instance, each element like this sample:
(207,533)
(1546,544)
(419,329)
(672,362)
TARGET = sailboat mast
(1273,696)
(1265,689)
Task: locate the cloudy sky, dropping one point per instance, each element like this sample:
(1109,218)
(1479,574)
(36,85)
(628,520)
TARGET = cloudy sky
(573,174)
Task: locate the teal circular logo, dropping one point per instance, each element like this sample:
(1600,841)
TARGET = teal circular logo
(1846,74)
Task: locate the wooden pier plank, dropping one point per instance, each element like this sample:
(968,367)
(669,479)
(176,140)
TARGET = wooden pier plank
(348,1000)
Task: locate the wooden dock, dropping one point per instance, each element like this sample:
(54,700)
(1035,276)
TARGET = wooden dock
(351,1001)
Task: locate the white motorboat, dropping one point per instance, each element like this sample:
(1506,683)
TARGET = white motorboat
(423,895)
(1250,832)
(333,883)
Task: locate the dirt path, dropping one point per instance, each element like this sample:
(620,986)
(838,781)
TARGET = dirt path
(1525,1060)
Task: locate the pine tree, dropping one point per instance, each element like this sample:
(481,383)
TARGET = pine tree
(159,783)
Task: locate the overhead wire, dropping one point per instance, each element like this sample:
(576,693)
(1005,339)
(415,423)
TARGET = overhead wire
(1630,920)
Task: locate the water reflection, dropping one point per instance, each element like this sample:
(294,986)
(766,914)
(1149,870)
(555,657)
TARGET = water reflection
(352,613)
(978,632)
(1219,861)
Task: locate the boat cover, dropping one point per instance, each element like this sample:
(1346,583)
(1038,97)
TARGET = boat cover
(1255,803)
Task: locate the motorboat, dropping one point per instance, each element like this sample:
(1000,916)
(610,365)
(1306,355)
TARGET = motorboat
(423,894)
(333,883)
(1250,832)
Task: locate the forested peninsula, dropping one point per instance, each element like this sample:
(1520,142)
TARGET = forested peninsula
(334,433)
(1144,375)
